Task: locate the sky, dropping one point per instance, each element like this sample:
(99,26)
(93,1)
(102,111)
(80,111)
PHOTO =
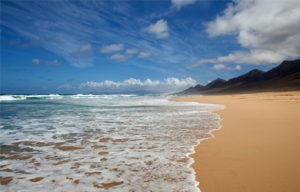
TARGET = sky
(107,46)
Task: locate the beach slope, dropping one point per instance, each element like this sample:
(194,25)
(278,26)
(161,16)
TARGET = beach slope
(257,148)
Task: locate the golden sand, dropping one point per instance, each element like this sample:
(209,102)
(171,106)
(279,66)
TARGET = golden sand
(258,147)
(68,148)
(5,180)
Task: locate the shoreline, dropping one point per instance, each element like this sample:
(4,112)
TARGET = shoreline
(194,149)
(257,148)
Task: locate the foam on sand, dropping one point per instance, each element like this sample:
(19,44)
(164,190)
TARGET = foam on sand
(126,143)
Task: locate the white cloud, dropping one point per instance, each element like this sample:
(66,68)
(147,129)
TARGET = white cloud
(169,84)
(202,61)
(179,3)
(65,35)
(53,63)
(36,62)
(222,67)
(130,83)
(131,51)
(112,48)
(83,52)
(159,29)
(268,29)
(144,54)
(120,57)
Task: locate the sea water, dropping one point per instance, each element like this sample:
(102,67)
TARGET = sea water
(100,142)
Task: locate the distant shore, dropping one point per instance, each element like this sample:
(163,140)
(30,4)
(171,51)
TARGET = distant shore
(257,148)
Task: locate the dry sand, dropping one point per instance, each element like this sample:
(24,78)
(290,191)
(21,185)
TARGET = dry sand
(258,147)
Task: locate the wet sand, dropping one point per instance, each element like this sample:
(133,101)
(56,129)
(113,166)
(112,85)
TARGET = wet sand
(257,148)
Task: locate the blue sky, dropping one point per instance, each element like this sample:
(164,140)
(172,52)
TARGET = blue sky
(113,46)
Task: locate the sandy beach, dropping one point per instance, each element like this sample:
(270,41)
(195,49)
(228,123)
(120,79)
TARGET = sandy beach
(257,148)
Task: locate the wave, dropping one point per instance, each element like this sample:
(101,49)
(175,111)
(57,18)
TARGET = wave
(57,96)
(103,142)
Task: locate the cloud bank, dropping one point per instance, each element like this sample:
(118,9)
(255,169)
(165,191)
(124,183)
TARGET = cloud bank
(268,29)
(169,84)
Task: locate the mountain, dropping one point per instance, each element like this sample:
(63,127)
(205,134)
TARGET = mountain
(248,78)
(285,77)
(195,89)
(218,83)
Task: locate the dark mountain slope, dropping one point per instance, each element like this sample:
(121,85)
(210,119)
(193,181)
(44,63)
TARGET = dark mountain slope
(284,77)
(218,83)
(194,90)
(250,77)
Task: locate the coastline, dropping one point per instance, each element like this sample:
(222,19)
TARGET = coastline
(257,148)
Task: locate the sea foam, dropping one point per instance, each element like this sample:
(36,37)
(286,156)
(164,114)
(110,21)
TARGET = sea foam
(124,143)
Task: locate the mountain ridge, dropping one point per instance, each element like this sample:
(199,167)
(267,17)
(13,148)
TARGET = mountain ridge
(284,77)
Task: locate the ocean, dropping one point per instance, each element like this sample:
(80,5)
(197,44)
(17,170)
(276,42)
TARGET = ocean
(100,142)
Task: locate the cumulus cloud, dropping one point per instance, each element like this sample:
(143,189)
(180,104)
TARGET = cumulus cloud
(144,54)
(111,48)
(120,57)
(53,63)
(159,29)
(36,62)
(223,67)
(131,51)
(180,3)
(268,29)
(83,52)
(169,84)
(136,83)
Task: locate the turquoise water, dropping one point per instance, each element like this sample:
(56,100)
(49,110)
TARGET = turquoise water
(100,142)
